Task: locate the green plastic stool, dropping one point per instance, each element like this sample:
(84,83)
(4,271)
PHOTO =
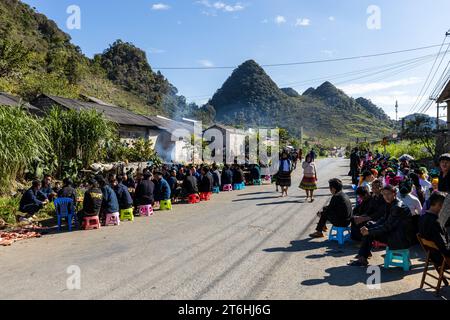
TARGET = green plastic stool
(165,205)
(257,182)
(126,214)
(397,258)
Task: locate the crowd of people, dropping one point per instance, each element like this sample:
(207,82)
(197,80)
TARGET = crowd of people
(396,201)
(101,195)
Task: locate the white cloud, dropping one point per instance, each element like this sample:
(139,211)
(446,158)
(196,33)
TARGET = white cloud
(331,18)
(302,22)
(280,20)
(206,63)
(160,6)
(362,88)
(220,6)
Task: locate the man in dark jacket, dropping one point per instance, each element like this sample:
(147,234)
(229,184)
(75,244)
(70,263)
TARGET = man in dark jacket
(371,209)
(206,182)
(145,191)
(110,203)
(33,200)
(396,228)
(162,188)
(338,212)
(92,201)
(190,185)
(227,176)
(431,230)
(122,194)
(216,176)
(68,191)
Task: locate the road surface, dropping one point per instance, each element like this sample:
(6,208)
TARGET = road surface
(248,244)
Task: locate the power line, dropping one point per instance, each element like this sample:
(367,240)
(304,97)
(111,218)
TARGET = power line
(422,90)
(305,62)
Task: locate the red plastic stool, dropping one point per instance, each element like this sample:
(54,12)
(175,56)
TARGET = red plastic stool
(193,198)
(379,245)
(90,223)
(205,196)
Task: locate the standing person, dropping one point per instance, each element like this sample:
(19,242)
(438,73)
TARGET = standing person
(309,181)
(284,174)
(355,161)
(92,201)
(444,176)
(294,159)
(338,212)
(313,155)
(32,201)
(144,191)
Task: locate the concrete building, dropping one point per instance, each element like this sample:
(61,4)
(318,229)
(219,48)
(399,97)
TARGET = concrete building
(443,137)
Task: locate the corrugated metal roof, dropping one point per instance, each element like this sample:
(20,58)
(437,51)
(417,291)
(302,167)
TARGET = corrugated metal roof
(445,95)
(169,124)
(7,99)
(227,128)
(113,113)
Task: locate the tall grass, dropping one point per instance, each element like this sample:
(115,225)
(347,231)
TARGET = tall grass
(23,140)
(415,149)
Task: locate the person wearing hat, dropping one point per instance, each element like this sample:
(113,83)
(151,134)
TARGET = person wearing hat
(444,176)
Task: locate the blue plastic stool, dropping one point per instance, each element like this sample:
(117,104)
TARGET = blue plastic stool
(64,209)
(257,182)
(397,258)
(216,189)
(239,186)
(338,234)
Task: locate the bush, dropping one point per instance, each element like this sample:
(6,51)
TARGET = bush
(417,150)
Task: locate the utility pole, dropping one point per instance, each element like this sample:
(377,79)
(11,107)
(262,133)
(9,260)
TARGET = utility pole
(396,111)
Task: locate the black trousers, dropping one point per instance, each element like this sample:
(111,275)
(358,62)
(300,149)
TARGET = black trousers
(325,216)
(366,246)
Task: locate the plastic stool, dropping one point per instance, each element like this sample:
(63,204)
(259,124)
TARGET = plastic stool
(193,198)
(338,234)
(126,214)
(112,219)
(216,190)
(205,196)
(228,187)
(146,211)
(90,223)
(239,186)
(165,205)
(257,182)
(397,258)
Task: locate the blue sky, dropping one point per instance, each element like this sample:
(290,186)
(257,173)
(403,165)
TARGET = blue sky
(190,33)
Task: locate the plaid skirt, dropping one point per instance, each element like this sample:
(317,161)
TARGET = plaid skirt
(308,183)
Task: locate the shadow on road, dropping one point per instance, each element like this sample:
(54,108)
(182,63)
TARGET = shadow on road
(419,294)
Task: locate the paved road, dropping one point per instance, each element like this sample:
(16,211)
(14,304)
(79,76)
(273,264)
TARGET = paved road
(248,244)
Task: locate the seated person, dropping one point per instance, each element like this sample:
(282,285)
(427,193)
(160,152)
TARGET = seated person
(255,172)
(46,188)
(189,185)
(145,190)
(371,209)
(205,183)
(445,213)
(227,176)
(338,212)
(238,175)
(68,191)
(173,183)
(396,228)
(162,188)
(32,201)
(431,230)
(110,203)
(216,175)
(92,202)
(122,193)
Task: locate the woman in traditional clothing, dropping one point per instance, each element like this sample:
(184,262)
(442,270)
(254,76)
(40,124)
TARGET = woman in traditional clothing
(309,181)
(284,174)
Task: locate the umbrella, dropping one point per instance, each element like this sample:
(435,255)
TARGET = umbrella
(406,157)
